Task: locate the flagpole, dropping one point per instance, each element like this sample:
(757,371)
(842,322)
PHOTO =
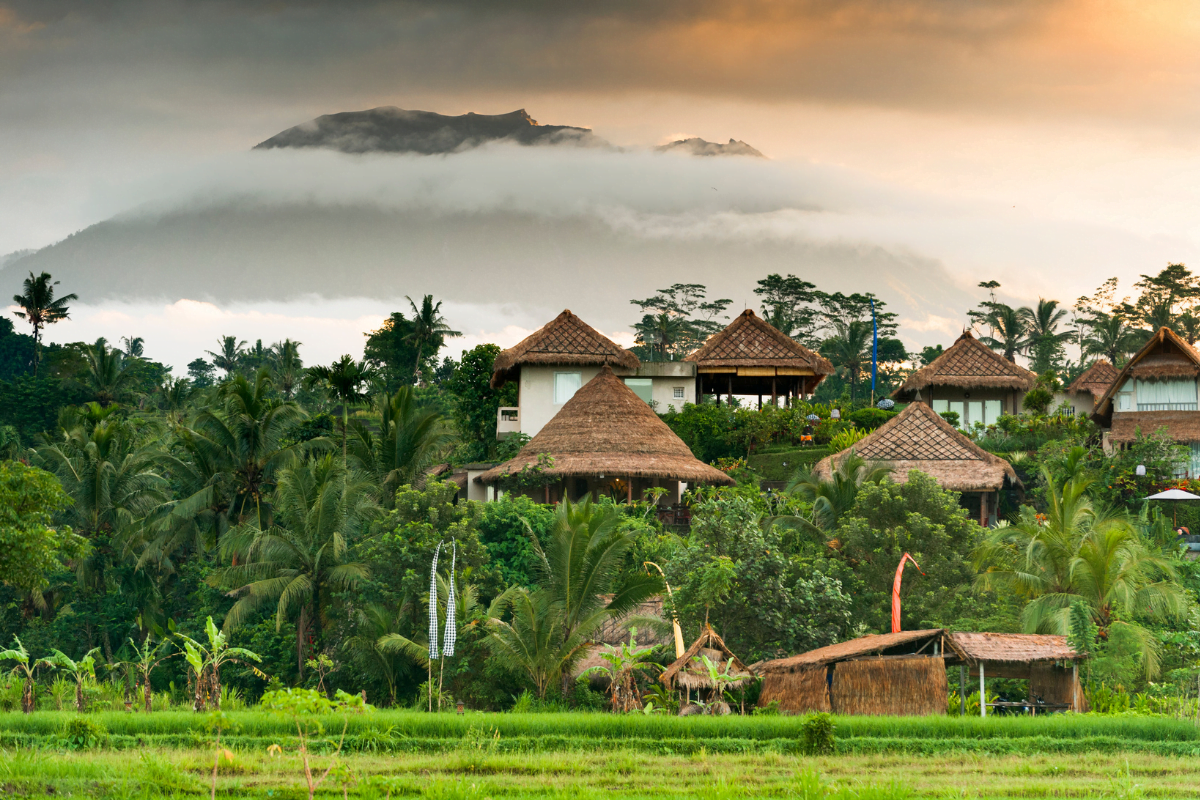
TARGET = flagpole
(874,349)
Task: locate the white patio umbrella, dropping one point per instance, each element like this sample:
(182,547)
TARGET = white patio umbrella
(1174,494)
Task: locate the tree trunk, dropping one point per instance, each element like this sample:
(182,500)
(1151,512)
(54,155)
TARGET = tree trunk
(146,692)
(198,699)
(79,696)
(214,685)
(27,699)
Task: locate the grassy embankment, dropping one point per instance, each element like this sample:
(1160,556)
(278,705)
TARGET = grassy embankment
(585,755)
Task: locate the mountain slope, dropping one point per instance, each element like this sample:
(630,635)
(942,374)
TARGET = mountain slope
(396,130)
(702,147)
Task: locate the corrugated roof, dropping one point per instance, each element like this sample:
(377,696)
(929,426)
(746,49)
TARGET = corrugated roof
(872,644)
(750,341)
(1095,379)
(564,340)
(968,364)
(1013,648)
(918,438)
(606,429)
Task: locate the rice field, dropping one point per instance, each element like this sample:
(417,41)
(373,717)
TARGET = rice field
(406,754)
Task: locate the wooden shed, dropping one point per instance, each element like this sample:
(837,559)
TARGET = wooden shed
(1048,662)
(892,673)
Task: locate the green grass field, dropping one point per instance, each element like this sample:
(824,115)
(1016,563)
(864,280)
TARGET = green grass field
(605,756)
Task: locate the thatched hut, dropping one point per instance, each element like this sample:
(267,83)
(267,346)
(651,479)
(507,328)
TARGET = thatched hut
(1089,387)
(1156,390)
(894,673)
(752,357)
(1047,662)
(604,440)
(917,438)
(972,380)
(689,672)
(566,339)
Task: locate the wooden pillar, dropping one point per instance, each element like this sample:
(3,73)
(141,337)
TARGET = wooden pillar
(983,508)
(982,693)
(760,402)
(629,491)
(1075,704)
(729,397)
(962,690)
(547,494)
(774,393)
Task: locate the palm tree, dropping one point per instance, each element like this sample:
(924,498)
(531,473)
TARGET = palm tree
(372,624)
(210,659)
(26,670)
(41,308)
(832,498)
(1043,341)
(343,382)
(849,349)
(1008,330)
(228,355)
(173,396)
(410,438)
(287,366)
(1078,555)
(106,372)
(1111,336)
(297,563)
(428,325)
(534,640)
(135,346)
(579,563)
(662,332)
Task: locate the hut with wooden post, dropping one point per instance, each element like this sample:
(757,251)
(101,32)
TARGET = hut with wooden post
(1090,386)
(752,357)
(919,439)
(604,440)
(905,673)
(972,380)
(689,673)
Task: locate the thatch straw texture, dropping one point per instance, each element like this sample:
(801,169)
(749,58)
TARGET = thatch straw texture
(798,692)
(890,686)
(1182,427)
(1013,648)
(1094,380)
(606,429)
(968,364)
(1055,685)
(750,341)
(564,340)
(685,672)
(1166,355)
(871,644)
(615,630)
(919,439)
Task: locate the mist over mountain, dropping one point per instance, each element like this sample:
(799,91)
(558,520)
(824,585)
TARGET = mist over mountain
(396,130)
(700,147)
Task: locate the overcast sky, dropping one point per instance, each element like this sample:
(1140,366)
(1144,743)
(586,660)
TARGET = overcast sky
(1048,145)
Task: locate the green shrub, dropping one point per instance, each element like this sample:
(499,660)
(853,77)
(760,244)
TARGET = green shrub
(846,438)
(870,418)
(82,733)
(817,734)
(771,709)
(585,698)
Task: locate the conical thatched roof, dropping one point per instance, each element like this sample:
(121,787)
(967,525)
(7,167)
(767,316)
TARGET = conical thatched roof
(564,340)
(1165,356)
(750,341)
(1095,380)
(918,438)
(606,429)
(685,672)
(968,364)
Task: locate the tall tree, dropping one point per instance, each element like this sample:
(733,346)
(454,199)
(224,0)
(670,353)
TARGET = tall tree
(1044,342)
(297,563)
(1110,336)
(410,437)
(228,355)
(287,366)
(106,374)
(849,349)
(791,305)
(39,307)
(1006,327)
(476,402)
(428,326)
(831,499)
(135,346)
(677,320)
(344,382)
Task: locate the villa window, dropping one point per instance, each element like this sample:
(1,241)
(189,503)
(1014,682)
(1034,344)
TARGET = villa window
(642,387)
(1166,395)
(566,384)
(678,393)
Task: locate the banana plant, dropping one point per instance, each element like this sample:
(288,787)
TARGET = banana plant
(147,660)
(25,669)
(206,661)
(80,670)
(624,663)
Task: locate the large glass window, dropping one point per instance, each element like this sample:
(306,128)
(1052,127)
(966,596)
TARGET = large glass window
(974,413)
(642,387)
(940,406)
(960,408)
(1166,395)
(991,411)
(566,384)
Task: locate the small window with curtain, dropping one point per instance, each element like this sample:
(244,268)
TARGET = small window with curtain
(642,387)
(566,384)
(991,411)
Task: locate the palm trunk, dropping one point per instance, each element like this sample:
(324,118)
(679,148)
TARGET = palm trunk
(79,696)
(27,699)
(146,691)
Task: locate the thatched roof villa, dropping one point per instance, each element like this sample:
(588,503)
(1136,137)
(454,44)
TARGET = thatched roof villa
(1089,387)
(751,357)
(905,673)
(971,380)
(606,439)
(553,362)
(918,438)
(1156,390)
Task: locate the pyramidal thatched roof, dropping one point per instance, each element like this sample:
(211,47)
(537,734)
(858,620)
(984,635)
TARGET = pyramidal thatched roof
(1165,356)
(690,675)
(566,339)
(1095,380)
(750,341)
(968,364)
(606,429)
(918,438)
